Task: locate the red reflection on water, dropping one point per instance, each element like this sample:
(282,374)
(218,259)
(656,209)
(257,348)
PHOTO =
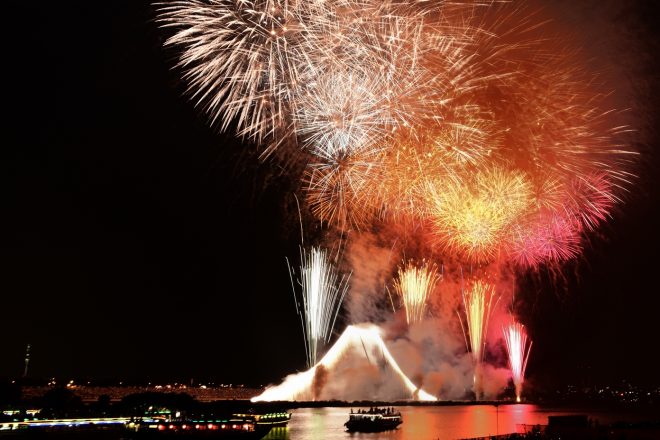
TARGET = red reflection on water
(453,422)
(476,419)
(419,422)
(520,414)
(417,425)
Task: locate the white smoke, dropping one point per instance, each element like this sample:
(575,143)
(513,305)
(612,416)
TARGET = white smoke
(359,366)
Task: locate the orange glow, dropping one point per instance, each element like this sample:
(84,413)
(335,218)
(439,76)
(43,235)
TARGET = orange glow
(430,112)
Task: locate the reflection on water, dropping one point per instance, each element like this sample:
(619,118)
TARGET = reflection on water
(427,422)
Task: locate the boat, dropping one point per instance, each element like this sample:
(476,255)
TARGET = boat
(154,425)
(238,428)
(273,419)
(72,428)
(373,420)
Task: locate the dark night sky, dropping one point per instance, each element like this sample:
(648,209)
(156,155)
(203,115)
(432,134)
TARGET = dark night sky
(138,243)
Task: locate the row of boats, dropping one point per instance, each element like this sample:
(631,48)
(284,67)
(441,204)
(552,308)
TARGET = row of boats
(256,426)
(239,426)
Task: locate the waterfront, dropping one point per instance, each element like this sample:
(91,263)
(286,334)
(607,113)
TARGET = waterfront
(439,422)
(420,422)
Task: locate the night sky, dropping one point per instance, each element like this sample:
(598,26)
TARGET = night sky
(138,243)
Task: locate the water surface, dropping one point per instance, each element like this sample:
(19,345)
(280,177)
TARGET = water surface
(433,422)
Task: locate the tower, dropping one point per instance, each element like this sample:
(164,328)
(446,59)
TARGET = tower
(27,360)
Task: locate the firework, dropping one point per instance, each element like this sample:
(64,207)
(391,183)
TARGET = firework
(518,348)
(322,292)
(236,59)
(589,200)
(345,77)
(477,303)
(415,285)
(551,238)
(341,191)
(474,218)
(258,62)
(364,338)
(445,111)
(370,87)
(466,122)
(409,164)
(342,113)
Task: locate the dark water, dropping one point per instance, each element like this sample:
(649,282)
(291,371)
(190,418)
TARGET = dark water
(419,423)
(435,422)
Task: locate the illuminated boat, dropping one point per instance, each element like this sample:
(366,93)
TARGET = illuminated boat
(239,427)
(373,420)
(243,428)
(274,419)
(73,428)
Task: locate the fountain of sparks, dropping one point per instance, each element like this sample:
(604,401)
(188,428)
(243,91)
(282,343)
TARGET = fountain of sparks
(322,291)
(414,285)
(518,347)
(478,304)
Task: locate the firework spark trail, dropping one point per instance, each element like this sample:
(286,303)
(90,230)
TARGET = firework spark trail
(254,61)
(551,239)
(478,305)
(236,59)
(341,191)
(475,218)
(518,349)
(401,104)
(414,285)
(322,292)
(360,337)
(343,113)
(409,165)
(369,84)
